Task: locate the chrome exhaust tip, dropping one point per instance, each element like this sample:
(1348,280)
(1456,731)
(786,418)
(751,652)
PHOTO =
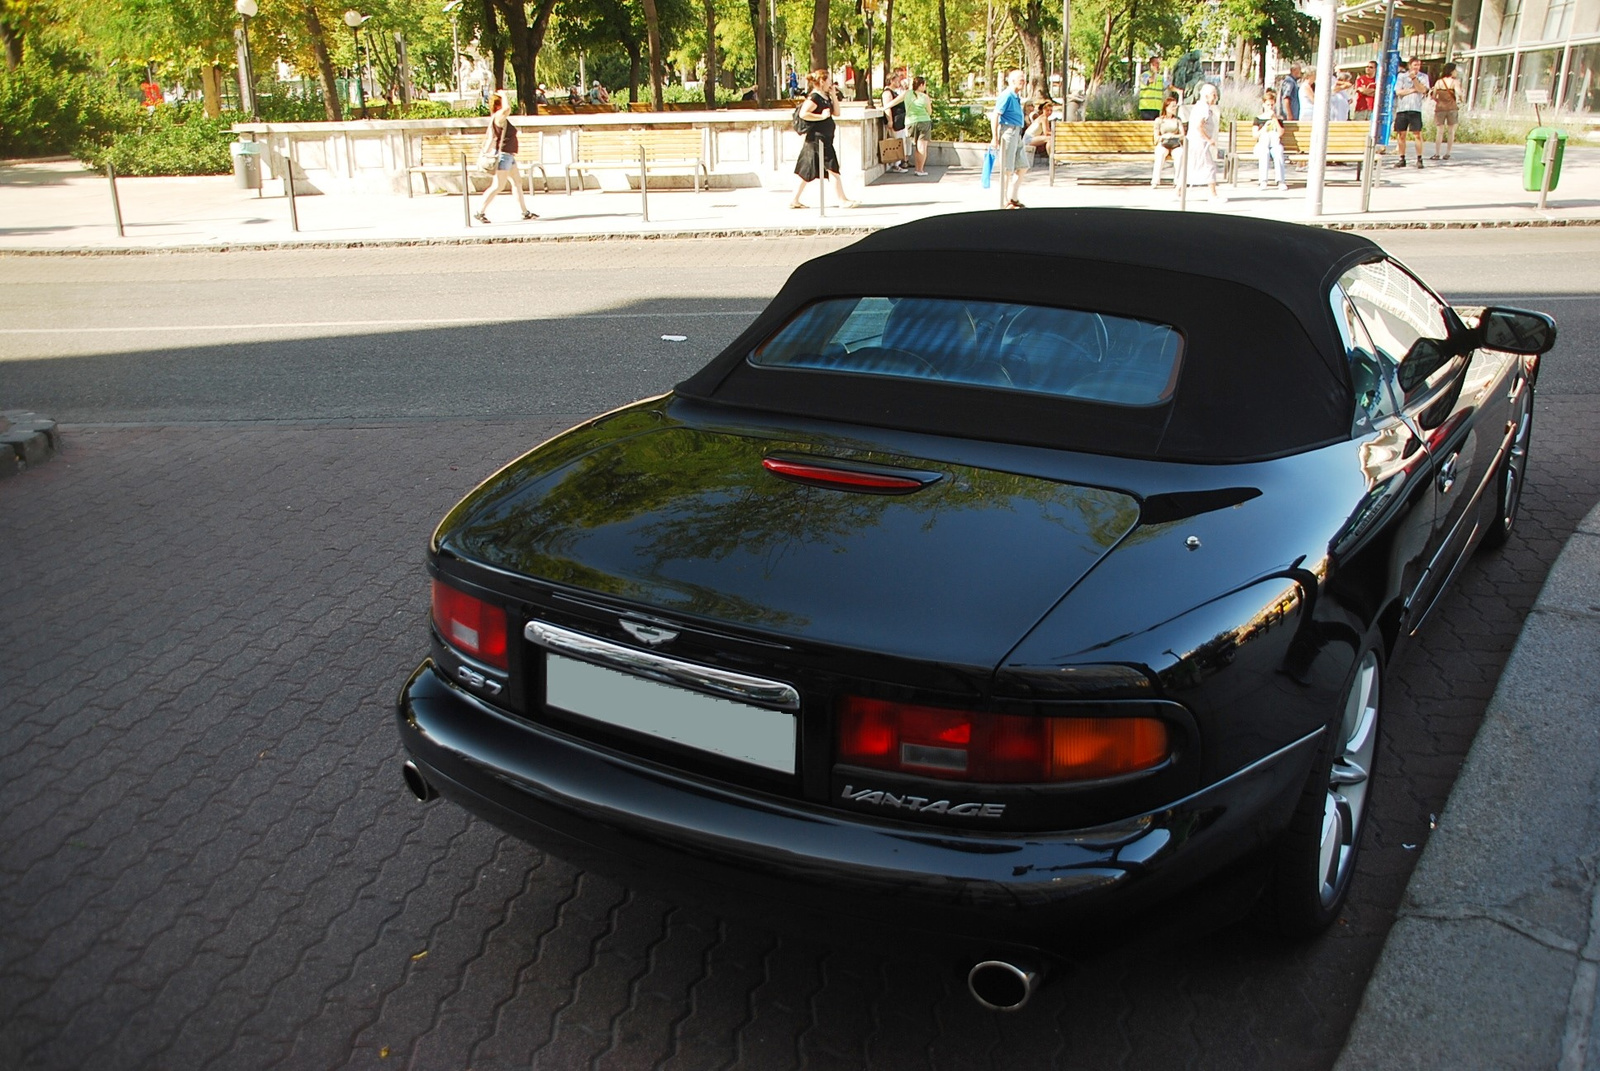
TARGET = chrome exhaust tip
(416,782)
(1002,986)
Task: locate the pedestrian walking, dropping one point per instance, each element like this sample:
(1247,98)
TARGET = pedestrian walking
(1446,94)
(919,121)
(818,111)
(1306,106)
(894,107)
(1205,120)
(1168,133)
(1269,141)
(501,140)
(1410,90)
(1007,120)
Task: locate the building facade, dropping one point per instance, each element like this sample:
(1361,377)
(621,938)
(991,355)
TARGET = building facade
(1504,48)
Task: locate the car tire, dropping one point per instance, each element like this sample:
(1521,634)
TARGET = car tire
(1315,858)
(1509,479)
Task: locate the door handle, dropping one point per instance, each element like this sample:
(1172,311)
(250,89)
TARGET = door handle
(1447,474)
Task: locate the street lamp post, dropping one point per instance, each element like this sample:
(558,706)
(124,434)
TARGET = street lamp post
(869,8)
(247,75)
(354,19)
(453,9)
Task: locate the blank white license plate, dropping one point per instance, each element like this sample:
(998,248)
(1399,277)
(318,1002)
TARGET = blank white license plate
(720,726)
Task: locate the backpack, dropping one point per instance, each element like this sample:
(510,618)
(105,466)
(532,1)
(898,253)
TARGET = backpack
(801,126)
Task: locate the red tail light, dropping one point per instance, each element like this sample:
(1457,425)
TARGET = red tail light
(851,479)
(470,625)
(962,745)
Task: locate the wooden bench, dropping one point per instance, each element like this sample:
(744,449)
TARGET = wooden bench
(611,149)
(1347,143)
(1109,140)
(440,154)
(669,106)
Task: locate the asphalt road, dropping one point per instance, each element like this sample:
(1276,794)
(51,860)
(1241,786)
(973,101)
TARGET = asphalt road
(512,330)
(206,855)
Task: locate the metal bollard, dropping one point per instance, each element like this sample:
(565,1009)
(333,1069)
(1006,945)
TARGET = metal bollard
(1183,175)
(288,185)
(999,173)
(466,192)
(644,194)
(822,181)
(116,204)
(1549,166)
(1369,162)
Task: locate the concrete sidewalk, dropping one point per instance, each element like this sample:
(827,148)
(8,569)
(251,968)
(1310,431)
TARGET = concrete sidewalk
(56,206)
(1494,957)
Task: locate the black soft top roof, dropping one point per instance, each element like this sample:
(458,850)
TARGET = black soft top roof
(1263,369)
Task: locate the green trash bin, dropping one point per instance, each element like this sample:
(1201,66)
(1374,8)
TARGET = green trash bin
(1533,157)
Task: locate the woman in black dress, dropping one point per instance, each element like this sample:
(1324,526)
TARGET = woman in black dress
(818,110)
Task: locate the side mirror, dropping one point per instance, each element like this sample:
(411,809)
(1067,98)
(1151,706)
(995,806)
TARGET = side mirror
(1516,331)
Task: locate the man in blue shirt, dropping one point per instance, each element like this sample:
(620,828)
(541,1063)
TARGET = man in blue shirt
(1007,143)
(1289,95)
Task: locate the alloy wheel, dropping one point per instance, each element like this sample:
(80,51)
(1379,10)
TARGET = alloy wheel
(1348,779)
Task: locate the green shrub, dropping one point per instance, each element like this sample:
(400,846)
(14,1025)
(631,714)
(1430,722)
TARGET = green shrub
(424,109)
(678,93)
(174,140)
(1503,130)
(291,109)
(960,124)
(46,111)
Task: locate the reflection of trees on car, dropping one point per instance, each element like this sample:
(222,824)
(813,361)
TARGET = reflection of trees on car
(685,494)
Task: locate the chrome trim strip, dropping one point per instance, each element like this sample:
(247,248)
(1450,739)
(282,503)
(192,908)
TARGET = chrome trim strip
(722,682)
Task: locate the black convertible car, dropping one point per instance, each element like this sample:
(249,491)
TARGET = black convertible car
(1012,571)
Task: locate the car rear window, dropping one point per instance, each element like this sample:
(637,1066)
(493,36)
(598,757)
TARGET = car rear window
(1070,353)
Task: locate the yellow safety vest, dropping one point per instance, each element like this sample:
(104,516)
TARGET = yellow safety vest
(1152,94)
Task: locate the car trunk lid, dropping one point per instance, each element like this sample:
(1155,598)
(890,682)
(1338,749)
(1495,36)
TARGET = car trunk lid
(948,564)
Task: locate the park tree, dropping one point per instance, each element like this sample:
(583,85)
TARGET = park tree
(925,44)
(710,83)
(820,15)
(316,42)
(1278,23)
(17,19)
(1031,19)
(1154,26)
(525,37)
(652,26)
(599,26)
(1098,29)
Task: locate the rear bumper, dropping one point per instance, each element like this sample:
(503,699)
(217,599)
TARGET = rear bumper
(692,841)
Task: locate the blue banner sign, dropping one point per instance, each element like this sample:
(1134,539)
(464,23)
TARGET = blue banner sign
(1388,72)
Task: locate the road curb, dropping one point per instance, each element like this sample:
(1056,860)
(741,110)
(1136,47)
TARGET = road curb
(26,439)
(1494,956)
(846,230)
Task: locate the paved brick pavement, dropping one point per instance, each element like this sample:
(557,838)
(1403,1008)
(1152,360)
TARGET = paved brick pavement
(207,859)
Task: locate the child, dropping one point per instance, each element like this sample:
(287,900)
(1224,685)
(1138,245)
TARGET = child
(1269,139)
